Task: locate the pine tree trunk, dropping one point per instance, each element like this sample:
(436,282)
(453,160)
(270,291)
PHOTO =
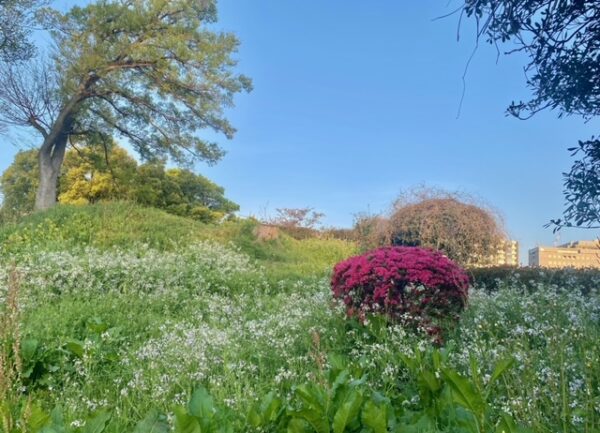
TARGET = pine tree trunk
(51,156)
(47,189)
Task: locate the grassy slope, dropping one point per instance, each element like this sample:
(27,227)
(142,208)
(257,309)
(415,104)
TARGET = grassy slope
(126,225)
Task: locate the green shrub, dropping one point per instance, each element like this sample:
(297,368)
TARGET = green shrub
(531,278)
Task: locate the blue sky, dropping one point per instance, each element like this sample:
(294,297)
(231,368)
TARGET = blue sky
(354,101)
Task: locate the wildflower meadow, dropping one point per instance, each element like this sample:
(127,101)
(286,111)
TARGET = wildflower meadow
(203,337)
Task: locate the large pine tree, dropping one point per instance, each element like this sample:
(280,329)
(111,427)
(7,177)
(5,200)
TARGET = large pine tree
(152,72)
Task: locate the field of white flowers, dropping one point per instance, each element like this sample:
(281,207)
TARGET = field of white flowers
(200,339)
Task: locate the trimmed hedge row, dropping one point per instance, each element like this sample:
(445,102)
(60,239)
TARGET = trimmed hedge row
(531,278)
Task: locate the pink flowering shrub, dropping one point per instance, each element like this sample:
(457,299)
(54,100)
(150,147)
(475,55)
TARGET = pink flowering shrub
(410,285)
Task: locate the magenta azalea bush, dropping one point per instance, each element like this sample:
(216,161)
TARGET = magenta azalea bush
(408,284)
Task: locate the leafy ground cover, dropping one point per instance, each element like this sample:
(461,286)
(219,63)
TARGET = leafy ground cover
(170,325)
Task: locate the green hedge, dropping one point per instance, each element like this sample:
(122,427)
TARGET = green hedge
(531,278)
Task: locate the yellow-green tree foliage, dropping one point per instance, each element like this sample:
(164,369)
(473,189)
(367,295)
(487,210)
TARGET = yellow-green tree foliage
(19,183)
(92,173)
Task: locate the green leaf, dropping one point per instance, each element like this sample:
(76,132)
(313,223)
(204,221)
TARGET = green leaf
(340,381)
(347,412)
(410,363)
(97,325)
(501,368)
(431,381)
(37,419)
(315,418)
(185,423)
(28,348)
(464,393)
(507,425)
(375,417)
(224,428)
(58,423)
(424,424)
(297,425)
(51,429)
(253,417)
(154,422)
(270,407)
(475,371)
(97,424)
(313,396)
(75,347)
(436,358)
(201,404)
(337,361)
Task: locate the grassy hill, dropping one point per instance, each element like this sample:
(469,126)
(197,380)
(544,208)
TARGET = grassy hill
(127,226)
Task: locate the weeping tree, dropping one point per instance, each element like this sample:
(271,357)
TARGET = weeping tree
(465,229)
(561,40)
(151,72)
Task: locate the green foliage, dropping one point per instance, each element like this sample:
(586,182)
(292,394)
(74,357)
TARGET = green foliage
(125,225)
(93,173)
(202,415)
(18,184)
(101,225)
(181,192)
(448,400)
(560,41)
(147,68)
(15,24)
(531,279)
(339,405)
(581,187)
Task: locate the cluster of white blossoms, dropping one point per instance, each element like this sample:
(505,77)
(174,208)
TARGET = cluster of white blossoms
(199,268)
(553,335)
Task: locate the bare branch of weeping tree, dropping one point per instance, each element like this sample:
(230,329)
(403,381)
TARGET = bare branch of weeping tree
(28,95)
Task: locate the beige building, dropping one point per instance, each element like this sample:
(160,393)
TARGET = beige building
(580,254)
(506,255)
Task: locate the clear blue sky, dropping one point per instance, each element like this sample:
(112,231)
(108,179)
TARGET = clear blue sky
(356,100)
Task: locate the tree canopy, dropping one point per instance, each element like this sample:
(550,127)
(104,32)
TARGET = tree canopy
(465,230)
(91,174)
(151,72)
(582,188)
(562,42)
(16,17)
(18,184)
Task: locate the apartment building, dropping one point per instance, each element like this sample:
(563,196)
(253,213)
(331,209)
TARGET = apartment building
(579,254)
(507,254)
